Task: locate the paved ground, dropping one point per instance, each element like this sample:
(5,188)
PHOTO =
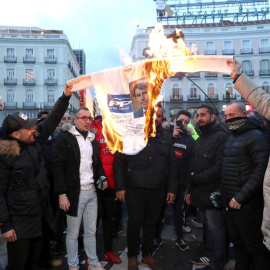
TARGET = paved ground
(169,255)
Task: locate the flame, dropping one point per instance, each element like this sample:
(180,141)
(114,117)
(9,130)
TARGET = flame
(164,49)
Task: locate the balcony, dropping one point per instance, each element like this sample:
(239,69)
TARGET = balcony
(264,50)
(194,98)
(210,75)
(50,60)
(176,98)
(210,52)
(10,59)
(264,72)
(10,105)
(193,75)
(215,97)
(29,82)
(29,105)
(226,75)
(29,60)
(233,96)
(50,82)
(247,51)
(248,72)
(228,52)
(48,105)
(10,81)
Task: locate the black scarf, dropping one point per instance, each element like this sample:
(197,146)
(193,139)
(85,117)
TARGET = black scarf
(236,122)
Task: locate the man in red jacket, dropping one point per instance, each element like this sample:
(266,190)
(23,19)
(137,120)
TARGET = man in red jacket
(107,197)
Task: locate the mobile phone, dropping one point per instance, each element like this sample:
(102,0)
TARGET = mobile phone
(179,124)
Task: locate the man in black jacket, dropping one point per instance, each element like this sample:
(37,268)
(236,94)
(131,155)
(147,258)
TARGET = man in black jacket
(245,160)
(142,180)
(205,179)
(23,183)
(76,169)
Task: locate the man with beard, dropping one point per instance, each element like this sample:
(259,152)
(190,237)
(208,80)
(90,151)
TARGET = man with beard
(204,180)
(23,183)
(245,160)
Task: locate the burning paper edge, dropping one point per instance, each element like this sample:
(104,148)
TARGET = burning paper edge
(193,64)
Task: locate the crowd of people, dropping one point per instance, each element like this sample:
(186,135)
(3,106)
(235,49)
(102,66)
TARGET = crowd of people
(57,174)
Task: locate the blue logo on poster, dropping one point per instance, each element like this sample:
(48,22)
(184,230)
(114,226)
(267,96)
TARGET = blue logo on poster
(120,103)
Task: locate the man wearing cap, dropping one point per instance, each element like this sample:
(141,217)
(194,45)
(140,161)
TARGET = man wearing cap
(23,183)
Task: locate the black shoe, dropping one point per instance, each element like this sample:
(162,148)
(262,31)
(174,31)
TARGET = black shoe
(203,260)
(182,244)
(157,243)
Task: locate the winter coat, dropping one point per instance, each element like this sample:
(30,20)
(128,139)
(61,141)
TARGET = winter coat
(154,167)
(206,166)
(23,182)
(245,159)
(260,100)
(106,156)
(66,167)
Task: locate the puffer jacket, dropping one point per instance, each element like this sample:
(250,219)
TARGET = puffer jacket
(245,159)
(23,182)
(152,168)
(260,100)
(206,166)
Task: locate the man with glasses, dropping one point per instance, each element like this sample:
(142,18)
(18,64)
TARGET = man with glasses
(77,168)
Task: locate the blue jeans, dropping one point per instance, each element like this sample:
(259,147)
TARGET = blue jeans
(215,230)
(3,253)
(87,210)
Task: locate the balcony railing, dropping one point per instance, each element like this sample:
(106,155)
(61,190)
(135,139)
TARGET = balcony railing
(210,75)
(233,96)
(248,72)
(48,105)
(193,75)
(210,52)
(228,52)
(264,50)
(50,60)
(194,98)
(226,75)
(247,51)
(29,82)
(176,98)
(10,105)
(10,59)
(50,82)
(213,96)
(10,81)
(29,105)
(264,72)
(29,60)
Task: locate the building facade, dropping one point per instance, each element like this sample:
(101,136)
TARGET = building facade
(35,64)
(248,41)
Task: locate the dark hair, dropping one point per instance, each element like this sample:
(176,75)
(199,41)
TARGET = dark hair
(98,117)
(141,84)
(209,108)
(81,109)
(40,113)
(186,113)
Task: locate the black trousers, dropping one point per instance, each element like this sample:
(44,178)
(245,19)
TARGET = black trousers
(244,228)
(144,207)
(24,254)
(107,198)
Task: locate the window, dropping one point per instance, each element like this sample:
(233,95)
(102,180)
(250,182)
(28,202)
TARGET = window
(10,52)
(265,43)
(229,88)
(246,44)
(29,75)
(246,66)
(10,96)
(51,96)
(29,96)
(265,87)
(50,53)
(211,90)
(176,91)
(29,53)
(265,65)
(210,46)
(51,74)
(227,45)
(193,91)
(10,74)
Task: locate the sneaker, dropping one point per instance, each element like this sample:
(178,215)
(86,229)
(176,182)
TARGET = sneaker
(157,243)
(200,260)
(98,266)
(195,224)
(186,229)
(182,244)
(109,256)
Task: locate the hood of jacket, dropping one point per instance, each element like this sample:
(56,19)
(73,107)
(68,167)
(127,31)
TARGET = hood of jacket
(9,148)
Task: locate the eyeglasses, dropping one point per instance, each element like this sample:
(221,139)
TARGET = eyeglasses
(66,118)
(84,118)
